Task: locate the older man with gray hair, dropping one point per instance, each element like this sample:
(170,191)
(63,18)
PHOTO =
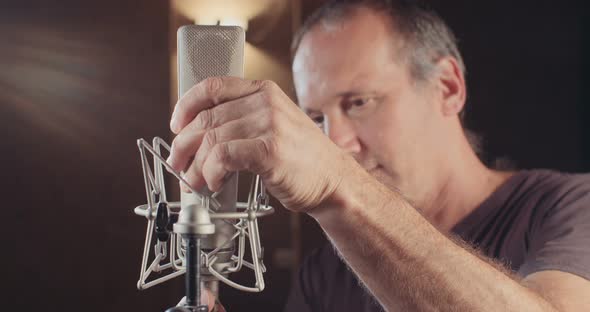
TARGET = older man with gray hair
(416,221)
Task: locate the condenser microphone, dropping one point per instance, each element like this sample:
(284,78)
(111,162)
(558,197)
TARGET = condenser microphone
(204,235)
(211,51)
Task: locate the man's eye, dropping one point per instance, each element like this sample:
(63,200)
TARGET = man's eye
(359,106)
(356,103)
(359,102)
(319,120)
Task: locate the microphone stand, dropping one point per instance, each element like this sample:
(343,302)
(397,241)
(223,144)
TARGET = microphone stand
(194,223)
(192,278)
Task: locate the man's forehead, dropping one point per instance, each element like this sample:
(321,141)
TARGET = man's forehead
(363,39)
(357,35)
(330,61)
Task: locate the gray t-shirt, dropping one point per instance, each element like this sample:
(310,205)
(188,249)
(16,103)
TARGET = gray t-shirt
(537,220)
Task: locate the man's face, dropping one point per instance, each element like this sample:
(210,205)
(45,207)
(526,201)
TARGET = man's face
(350,79)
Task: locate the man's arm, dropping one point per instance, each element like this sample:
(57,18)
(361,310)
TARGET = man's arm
(409,265)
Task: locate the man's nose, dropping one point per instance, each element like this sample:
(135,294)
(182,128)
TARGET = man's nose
(342,132)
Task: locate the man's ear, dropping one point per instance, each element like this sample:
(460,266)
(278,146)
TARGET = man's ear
(451,86)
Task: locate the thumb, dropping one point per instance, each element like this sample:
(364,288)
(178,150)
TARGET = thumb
(207,298)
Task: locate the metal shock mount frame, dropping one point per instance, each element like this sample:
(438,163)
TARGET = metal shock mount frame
(170,252)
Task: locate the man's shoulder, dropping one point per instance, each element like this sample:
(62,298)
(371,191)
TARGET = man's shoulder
(521,208)
(553,202)
(555,177)
(560,222)
(550,188)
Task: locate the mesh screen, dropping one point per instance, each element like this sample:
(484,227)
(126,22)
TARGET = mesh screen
(206,51)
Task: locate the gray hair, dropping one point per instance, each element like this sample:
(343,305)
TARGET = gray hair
(426,37)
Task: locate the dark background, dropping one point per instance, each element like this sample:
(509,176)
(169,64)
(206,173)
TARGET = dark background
(80,81)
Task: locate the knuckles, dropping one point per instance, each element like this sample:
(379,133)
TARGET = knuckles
(275,120)
(204,119)
(272,117)
(212,87)
(210,137)
(268,91)
(262,85)
(267,148)
(268,85)
(221,152)
(269,95)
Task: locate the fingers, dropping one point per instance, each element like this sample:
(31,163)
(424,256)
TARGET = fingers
(208,93)
(189,139)
(213,141)
(207,298)
(209,118)
(232,156)
(184,146)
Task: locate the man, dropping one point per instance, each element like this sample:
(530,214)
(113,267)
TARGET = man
(395,184)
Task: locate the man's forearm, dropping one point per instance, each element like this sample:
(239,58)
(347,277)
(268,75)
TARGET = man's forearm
(408,264)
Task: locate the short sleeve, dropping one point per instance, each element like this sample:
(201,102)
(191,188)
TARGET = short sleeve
(561,239)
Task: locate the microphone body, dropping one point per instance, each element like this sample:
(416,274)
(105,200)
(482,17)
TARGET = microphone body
(209,51)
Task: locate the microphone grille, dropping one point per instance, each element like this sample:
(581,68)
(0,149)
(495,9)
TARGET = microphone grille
(207,51)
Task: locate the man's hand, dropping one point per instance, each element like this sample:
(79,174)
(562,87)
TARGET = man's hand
(213,305)
(227,124)
(208,299)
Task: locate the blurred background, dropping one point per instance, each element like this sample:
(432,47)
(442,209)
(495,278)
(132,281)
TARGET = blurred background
(80,81)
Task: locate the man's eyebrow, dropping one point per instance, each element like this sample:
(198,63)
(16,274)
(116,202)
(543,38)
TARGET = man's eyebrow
(349,94)
(341,95)
(310,111)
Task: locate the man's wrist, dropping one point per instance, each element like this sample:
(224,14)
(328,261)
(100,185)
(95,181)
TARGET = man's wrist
(351,194)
